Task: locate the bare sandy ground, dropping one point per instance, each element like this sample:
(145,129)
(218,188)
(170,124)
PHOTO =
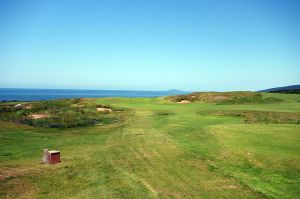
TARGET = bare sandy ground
(40,116)
(104,109)
(184,102)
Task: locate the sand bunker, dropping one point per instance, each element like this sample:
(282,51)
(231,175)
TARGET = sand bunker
(184,102)
(39,116)
(104,109)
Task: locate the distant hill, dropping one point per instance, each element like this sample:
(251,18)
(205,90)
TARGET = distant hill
(177,92)
(293,89)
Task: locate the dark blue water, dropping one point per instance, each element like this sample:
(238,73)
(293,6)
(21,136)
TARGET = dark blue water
(10,94)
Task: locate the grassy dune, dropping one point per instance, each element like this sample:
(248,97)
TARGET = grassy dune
(157,149)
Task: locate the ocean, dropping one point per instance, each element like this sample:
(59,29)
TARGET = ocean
(17,94)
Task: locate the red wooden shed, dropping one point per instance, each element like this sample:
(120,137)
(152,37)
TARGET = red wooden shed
(54,157)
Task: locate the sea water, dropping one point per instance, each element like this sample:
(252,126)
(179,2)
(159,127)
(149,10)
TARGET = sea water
(17,94)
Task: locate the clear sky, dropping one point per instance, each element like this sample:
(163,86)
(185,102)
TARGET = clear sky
(150,44)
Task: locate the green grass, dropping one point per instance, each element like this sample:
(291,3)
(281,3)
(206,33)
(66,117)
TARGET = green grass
(161,149)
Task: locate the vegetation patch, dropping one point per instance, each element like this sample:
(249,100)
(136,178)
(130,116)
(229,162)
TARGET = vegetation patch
(267,117)
(257,99)
(291,91)
(224,98)
(67,113)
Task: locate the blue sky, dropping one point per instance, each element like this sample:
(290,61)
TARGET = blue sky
(150,45)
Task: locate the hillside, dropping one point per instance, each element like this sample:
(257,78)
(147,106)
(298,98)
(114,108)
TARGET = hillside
(294,89)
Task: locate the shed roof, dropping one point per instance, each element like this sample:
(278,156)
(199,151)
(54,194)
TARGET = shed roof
(53,151)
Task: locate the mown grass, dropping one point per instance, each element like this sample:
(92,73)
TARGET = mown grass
(161,149)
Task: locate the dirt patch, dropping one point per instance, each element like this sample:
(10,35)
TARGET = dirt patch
(14,172)
(231,187)
(28,107)
(169,193)
(101,109)
(12,184)
(220,98)
(39,116)
(184,102)
(11,173)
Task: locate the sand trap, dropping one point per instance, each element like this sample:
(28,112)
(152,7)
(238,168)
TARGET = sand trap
(39,116)
(19,106)
(184,102)
(104,109)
